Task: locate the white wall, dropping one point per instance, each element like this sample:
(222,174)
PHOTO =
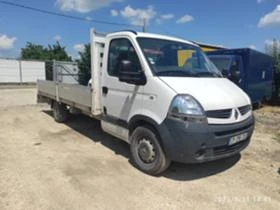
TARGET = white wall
(21,71)
(9,71)
(32,71)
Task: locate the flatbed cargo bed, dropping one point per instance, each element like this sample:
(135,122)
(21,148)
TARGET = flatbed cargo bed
(74,95)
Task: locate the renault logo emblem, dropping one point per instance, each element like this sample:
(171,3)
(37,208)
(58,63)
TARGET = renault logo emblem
(236,114)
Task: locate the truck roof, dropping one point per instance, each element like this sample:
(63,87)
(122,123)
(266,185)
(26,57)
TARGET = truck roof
(237,51)
(149,35)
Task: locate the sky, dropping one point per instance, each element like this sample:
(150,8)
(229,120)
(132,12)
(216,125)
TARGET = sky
(230,23)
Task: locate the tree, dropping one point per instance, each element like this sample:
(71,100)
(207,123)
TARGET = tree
(84,64)
(274,51)
(39,52)
(34,52)
(57,52)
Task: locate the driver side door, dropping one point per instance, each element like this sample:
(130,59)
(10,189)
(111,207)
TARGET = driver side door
(120,99)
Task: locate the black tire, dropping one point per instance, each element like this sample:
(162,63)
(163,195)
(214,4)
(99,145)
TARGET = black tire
(60,112)
(154,161)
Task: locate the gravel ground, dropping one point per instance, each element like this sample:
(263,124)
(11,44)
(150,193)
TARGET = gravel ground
(17,97)
(46,165)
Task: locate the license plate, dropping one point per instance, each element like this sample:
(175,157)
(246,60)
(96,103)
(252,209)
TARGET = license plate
(238,138)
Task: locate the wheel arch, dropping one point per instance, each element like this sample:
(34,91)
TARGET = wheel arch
(141,120)
(138,120)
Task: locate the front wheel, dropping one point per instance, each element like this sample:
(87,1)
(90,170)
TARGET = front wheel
(146,151)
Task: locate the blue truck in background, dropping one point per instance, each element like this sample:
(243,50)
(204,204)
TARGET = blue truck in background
(251,70)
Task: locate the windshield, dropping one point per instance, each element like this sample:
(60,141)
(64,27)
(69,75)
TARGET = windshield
(220,63)
(171,58)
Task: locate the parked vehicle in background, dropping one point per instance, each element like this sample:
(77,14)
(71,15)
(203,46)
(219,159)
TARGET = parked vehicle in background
(166,107)
(208,47)
(251,70)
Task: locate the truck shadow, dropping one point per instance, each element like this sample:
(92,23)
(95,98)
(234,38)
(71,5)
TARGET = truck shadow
(187,172)
(91,128)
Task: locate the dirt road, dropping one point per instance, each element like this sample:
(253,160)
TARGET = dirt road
(46,165)
(17,97)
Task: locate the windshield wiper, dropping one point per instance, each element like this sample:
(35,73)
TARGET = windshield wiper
(175,73)
(207,73)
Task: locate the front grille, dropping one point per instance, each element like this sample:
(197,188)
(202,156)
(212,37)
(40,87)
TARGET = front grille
(244,109)
(221,114)
(226,113)
(221,150)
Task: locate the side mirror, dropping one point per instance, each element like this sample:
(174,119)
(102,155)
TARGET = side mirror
(225,73)
(235,74)
(130,75)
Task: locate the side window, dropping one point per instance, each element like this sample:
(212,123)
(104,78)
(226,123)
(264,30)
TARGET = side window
(119,50)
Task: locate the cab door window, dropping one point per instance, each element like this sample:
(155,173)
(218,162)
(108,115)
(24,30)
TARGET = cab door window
(120,50)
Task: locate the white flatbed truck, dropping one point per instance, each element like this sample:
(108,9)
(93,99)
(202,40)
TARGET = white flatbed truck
(161,95)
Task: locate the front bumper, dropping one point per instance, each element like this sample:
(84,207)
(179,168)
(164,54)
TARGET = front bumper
(193,142)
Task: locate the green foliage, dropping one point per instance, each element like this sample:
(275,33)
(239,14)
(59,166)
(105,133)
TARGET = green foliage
(84,64)
(34,52)
(274,51)
(276,55)
(39,52)
(277,63)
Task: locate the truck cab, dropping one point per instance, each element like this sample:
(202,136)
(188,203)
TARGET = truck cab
(164,97)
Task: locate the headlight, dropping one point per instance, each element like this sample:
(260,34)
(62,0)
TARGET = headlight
(186,107)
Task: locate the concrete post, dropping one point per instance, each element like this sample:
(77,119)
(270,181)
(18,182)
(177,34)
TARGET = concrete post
(20,71)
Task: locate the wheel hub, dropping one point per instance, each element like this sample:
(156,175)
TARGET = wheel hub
(146,151)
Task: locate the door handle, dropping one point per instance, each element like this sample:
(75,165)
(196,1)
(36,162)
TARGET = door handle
(105,90)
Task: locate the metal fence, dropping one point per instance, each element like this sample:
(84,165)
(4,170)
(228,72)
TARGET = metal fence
(66,72)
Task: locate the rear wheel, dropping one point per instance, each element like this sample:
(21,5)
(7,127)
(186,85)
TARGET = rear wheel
(146,151)
(60,112)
